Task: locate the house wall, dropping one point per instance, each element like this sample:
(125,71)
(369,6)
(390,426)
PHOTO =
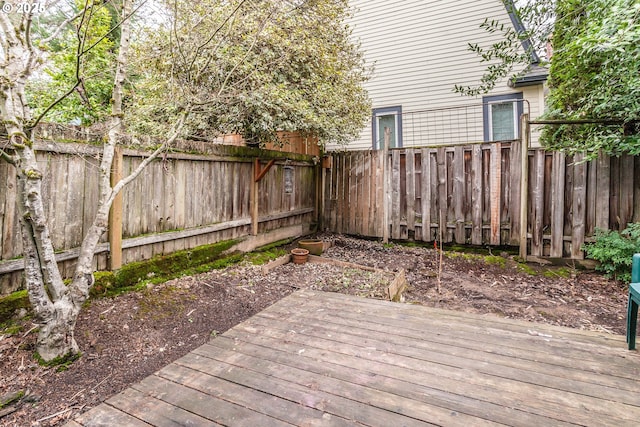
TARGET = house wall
(419,50)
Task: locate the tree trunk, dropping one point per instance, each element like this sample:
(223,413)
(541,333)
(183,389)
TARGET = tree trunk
(56,336)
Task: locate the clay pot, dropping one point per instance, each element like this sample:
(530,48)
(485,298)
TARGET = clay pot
(314,246)
(299,255)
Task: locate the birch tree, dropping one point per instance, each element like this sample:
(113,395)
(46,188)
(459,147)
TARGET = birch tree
(184,84)
(55,305)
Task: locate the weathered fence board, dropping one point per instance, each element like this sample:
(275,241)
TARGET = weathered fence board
(472,193)
(172,197)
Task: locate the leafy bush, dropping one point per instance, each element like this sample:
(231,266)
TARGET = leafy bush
(614,250)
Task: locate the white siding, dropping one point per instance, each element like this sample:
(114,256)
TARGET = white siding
(419,50)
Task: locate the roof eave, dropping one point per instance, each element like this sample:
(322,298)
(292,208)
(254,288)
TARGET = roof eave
(528,81)
(520,29)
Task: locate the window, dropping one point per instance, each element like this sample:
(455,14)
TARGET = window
(388,117)
(501,116)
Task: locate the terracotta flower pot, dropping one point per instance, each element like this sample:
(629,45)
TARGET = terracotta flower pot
(314,246)
(299,255)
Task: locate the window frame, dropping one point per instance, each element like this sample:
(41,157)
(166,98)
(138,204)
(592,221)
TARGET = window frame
(386,111)
(487,123)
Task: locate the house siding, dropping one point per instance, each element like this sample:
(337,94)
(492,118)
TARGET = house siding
(419,50)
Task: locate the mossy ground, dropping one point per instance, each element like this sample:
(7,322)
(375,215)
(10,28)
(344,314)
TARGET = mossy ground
(137,275)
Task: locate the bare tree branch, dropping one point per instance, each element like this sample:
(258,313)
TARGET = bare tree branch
(115,27)
(79,54)
(62,26)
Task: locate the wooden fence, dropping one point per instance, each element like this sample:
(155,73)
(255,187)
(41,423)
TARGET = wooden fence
(178,202)
(472,193)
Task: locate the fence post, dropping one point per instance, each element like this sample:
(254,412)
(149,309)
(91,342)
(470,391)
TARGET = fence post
(115,214)
(524,182)
(254,197)
(385,185)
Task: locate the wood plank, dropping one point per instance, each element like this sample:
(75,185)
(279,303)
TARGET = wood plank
(515,161)
(489,323)
(395,212)
(591,198)
(557,205)
(411,190)
(495,175)
(344,217)
(380,160)
(333,197)
(342,193)
(537,205)
(476,195)
(105,415)
(397,287)
(155,411)
(425,193)
(295,382)
(603,188)
(614,195)
(59,166)
(441,162)
(346,264)
(255,185)
(365,198)
(417,357)
(244,388)
(438,348)
(458,194)
(352,205)
(546,401)
(205,405)
(626,190)
(181,195)
(578,205)
(386,393)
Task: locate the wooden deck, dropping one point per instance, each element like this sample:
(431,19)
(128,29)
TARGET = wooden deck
(324,359)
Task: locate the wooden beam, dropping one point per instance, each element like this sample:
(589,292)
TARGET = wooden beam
(258,173)
(397,287)
(524,183)
(385,186)
(115,214)
(495,185)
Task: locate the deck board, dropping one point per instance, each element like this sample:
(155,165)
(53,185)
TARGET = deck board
(324,359)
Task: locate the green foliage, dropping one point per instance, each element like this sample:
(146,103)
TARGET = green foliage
(86,61)
(271,67)
(614,250)
(594,75)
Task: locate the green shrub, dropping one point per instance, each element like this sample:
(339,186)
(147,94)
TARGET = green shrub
(614,250)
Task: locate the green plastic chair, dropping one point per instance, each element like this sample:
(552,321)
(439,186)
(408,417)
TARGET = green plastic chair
(634,300)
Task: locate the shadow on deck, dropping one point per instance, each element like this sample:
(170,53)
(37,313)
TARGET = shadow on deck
(324,359)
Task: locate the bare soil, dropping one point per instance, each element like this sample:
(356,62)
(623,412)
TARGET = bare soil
(128,337)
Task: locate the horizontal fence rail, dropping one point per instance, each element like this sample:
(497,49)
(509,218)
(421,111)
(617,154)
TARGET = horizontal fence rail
(473,194)
(178,202)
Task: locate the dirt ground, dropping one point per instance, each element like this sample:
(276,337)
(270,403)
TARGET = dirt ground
(127,338)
